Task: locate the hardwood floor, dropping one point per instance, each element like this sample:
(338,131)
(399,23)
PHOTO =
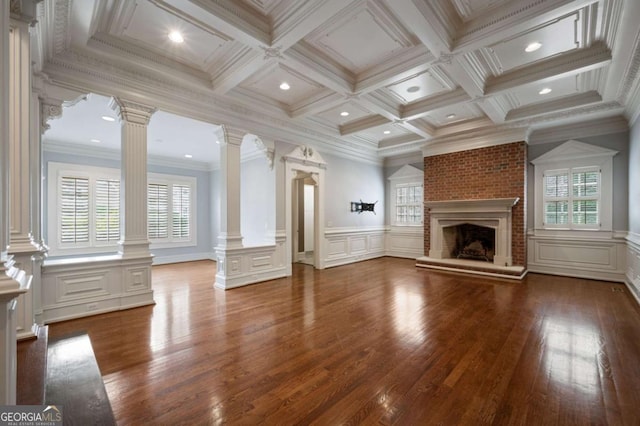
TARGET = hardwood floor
(377,342)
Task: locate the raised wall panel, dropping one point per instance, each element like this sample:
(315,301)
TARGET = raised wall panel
(88,286)
(633,266)
(137,278)
(405,242)
(348,245)
(598,258)
(74,286)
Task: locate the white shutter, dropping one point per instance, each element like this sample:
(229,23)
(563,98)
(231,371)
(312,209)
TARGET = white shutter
(74,210)
(158,211)
(181,212)
(107,210)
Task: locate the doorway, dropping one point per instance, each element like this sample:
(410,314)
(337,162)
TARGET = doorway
(304,225)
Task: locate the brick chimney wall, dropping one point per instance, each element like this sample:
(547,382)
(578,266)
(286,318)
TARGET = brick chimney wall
(494,172)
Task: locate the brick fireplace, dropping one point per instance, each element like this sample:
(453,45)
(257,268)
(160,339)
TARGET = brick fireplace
(484,187)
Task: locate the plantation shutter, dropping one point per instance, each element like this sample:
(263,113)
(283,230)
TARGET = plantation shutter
(181,199)
(158,210)
(74,210)
(107,210)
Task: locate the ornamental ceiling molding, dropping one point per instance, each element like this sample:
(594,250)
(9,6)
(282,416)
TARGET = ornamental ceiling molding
(631,73)
(96,75)
(600,108)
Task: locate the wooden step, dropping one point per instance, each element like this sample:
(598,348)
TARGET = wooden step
(74,381)
(32,368)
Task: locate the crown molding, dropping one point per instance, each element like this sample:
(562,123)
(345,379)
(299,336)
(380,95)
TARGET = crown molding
(559,104)
(92,151)
(400,140)
(583,129)
(473,140)
(584,113)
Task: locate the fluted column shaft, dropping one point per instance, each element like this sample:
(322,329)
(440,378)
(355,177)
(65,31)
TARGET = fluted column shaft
(134,119)
(230,141)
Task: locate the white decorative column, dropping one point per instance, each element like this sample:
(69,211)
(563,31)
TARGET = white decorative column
(13,281)
(22,245)
(229,190)
(134,119)
(230,141)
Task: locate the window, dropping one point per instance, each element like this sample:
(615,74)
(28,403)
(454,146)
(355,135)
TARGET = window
(158,209)
(171,209)
(406,197)
(577,195)
(572,197)
(74,210)
(87,214)
(409,204)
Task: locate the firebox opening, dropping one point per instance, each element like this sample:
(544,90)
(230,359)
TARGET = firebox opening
(469,241)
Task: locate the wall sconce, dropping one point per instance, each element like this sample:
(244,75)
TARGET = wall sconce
(359,207)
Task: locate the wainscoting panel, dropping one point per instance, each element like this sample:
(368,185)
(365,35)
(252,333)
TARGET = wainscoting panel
(240,266)
(73,288)
(405,241)
(633,265)
(348,245)
(597,258)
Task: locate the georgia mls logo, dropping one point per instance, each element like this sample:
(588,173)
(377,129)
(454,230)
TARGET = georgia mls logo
(30,415)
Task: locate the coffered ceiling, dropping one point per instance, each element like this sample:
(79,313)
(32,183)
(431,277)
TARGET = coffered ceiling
(372,78)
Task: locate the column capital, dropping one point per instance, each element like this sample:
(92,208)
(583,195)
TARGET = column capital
(132,112)
(230,135)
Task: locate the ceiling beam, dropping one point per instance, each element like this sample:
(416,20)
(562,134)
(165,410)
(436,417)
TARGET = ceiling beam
(422,107)
(356,126)
(426,22)
(571,63)
(559,104)
(316,105)
(511,19)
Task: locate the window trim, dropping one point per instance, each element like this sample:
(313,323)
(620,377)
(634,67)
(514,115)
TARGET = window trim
(406,176)
(573,155)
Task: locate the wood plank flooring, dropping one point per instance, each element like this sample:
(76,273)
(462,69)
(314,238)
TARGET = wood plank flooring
(377,342)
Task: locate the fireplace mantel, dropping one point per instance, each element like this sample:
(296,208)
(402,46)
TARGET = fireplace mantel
(495,213)
(472,206)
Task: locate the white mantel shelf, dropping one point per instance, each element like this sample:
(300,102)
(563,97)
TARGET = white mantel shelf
(472,206)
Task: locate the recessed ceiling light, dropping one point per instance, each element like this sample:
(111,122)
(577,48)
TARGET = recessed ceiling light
(188,156)
(386,132)
(344,113)
(450,116)
(218,142)
(284,86)
(413,89)
(532,47)
(95,140)
(176,37)
(545,91)
(108,118)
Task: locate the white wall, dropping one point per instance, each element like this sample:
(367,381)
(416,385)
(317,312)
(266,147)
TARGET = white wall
(257,202)
(348,181)
(633,239)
